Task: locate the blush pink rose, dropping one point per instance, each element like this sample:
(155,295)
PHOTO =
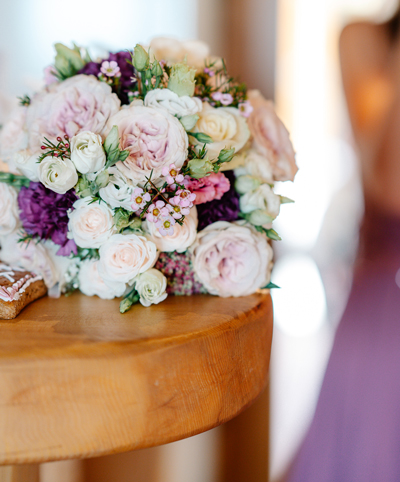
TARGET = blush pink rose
(154,139)
(232,259)
(271,138)
(209,188)
(80,103)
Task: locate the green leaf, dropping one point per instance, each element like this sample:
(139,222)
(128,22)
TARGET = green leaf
(123,155)
(272,234)
(14,180)
(201,137)
(271,286)
(130,299)
(286,200)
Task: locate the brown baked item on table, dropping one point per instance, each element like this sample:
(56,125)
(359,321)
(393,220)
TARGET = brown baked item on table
(18,288)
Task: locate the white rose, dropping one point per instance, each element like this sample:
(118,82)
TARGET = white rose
(9,213)
(62,265)
(123,257)
(153,138)
(172,51)
(225,126)
(87,152)
(58,175)
(232,259)
(255,164)
(13,135)
(151,287)
(27,165)
(172,103)
(31,256)
(262,198)
(119,190)
(183,237)
(90,224)
(92,284)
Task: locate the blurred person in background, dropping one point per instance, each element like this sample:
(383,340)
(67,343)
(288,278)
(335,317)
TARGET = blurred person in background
(355,433)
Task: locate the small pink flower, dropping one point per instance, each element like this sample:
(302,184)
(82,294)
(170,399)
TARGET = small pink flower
(178,210)
(208,71)
(225,99)
(245,108)
(183,198)
(139,198)
(155,211)
(165,225)
(110,69)
(171,172)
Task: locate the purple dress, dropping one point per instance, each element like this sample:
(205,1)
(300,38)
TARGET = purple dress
(355,433)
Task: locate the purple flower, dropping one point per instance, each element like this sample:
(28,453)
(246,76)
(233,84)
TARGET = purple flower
(126,71)
(178,269)
(224,209)
(44,214)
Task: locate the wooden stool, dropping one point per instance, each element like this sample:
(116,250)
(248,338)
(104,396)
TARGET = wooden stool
(78,379)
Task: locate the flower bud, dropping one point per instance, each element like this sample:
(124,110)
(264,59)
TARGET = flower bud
(82,189)
(246,183)
(121,219)
(189,121)
(181,80)
(156,69)
(112,140)
(226,155)
(68,61)
(140,58)
(259,217)
(102,179)
(199,168)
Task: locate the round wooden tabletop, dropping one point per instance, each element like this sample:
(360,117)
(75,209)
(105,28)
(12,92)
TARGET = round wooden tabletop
(78,379)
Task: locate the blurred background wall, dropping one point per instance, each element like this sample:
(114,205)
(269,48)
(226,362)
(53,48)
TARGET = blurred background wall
(288,50)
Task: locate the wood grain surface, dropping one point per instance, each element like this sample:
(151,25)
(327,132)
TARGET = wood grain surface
(77,379)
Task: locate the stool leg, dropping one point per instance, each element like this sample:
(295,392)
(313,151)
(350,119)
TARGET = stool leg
(19,473)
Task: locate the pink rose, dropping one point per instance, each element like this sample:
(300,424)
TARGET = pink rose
(80,103)
(209,188)
(271,138)
(154,139)
(232,259)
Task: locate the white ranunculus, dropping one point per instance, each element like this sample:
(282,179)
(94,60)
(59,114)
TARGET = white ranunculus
(58,175)
(90,224)
(87,152)
(13,135)
(26,164)
(225,126)
(172,103)
(31,256)
(92,284)
(183,237)
(80,103)
(9,213)
(151,287)
(232,259)
(262,198)
(123,257)
(119,190)
(173,50)
(246,183)
(154,139)
(256,165)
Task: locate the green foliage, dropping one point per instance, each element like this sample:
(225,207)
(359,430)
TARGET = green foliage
(111,147)
(25,100)
(14,180)
(271,286)
(69,62)
(130,299)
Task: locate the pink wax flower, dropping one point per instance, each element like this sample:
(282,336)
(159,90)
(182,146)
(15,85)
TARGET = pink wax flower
(171,172)
(178,210)
(208,71)
(157,211)
(184,198)
(139,198)
(110,69)
(209,188)
(245,108)
(225,99)
(165,225)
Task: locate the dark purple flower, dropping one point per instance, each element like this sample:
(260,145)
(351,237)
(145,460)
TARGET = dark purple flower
(124,81)
(224,209)
(44,214)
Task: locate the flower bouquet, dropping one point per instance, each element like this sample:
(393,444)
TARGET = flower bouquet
(144,174)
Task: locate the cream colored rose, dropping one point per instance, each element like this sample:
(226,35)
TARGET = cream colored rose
(9,213)
(151,287)
(92,284)
(87,152)
(80,103)
(123,257)
(118,192)
(261,198)
(225,126)
(13,135)
(173,50)
(154,139)
(255,164)
(173,103)
(183,237)
(26,164)
(90,224)
(58,175)
(232,259)
(271,138)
